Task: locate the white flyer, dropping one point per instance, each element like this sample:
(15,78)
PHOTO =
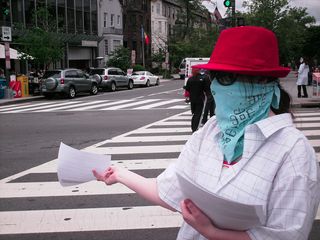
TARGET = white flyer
(75,166)
(224,213)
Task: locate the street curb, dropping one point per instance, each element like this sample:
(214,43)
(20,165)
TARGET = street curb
(4,102)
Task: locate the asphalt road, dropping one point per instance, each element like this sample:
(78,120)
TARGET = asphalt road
(31,138)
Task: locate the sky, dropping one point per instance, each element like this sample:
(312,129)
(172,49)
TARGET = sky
(313,6)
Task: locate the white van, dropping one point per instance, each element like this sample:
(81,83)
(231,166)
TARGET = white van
(189,62)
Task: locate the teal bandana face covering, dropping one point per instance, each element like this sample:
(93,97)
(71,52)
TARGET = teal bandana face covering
(239,105)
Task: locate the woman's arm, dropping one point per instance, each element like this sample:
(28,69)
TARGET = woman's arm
(200,222)
(145,187)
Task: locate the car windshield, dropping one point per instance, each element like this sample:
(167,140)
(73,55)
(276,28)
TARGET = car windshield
(54,74)
(138,73)
(96,71)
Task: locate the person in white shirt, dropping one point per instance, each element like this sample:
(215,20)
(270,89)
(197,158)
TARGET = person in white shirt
(302,80)
(249,152)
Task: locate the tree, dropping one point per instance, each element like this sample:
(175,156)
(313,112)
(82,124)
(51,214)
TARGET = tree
(120,58)
(290,24)
(40,41)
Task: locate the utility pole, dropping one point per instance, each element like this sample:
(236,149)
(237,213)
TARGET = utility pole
(233,8)
(231,4)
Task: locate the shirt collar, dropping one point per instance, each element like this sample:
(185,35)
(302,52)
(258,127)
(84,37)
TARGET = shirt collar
(270,125)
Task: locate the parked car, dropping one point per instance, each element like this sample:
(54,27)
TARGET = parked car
(145,78)
(111,78)
(67,81)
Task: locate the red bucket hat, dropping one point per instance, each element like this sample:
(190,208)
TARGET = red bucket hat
(246,50)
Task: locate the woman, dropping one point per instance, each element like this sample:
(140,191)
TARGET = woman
(302,81)
(250,152)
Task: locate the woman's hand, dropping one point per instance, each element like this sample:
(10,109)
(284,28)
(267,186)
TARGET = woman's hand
(197,219)
(110,176)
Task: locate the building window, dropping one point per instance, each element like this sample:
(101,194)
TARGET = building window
(118,20)
(112,20)
(106,52)
(105,19)
(116,44)
(158,8)
(152,26)
(152,8)
(159,26)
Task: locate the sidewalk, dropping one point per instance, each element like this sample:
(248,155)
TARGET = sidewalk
(288,83)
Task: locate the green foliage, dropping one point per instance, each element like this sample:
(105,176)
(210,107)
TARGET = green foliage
(42,45)
(138,67)
(120,58)
(290,24)
(198,44)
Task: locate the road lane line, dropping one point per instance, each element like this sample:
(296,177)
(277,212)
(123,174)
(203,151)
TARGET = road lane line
(88,219)
(42,107)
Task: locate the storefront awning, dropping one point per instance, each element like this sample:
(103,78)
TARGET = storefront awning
(13,53)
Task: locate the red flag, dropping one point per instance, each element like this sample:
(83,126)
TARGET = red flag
(217,14)
(146,39)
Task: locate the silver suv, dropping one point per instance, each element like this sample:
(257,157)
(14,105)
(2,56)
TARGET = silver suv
(111,78)
(67,81)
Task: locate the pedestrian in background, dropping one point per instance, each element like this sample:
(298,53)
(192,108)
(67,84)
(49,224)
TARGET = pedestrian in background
(210,104)
(302,81)
(196,87)
(250,152)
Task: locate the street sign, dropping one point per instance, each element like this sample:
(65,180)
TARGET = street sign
(6,34)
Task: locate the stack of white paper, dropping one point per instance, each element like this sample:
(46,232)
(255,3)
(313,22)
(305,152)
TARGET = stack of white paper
(224,213)
(75,166)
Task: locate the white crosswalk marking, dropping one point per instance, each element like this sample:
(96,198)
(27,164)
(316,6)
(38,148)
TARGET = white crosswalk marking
(72,106)
(158,104)
(145,140)
(97,105)
(130,104)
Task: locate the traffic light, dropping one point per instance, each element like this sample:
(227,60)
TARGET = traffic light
(227,3)
(5,7)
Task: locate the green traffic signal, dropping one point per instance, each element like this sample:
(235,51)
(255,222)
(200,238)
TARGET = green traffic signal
(227,3)
(6,11)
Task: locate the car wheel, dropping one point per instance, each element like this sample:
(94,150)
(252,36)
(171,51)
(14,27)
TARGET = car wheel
(113,87)
(130,85)
(158,82)
(148,83)
(94,89)
(72,92)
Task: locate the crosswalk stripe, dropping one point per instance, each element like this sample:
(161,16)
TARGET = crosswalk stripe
(303,124)
(42,107)
(307,120)
(14,105)
(311,132)
(130,104)
(89,219)
(25,106)
(158,104)
(72,106)
(309,114)
(136,149)
(101,105)
(151,138)
(165,130)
